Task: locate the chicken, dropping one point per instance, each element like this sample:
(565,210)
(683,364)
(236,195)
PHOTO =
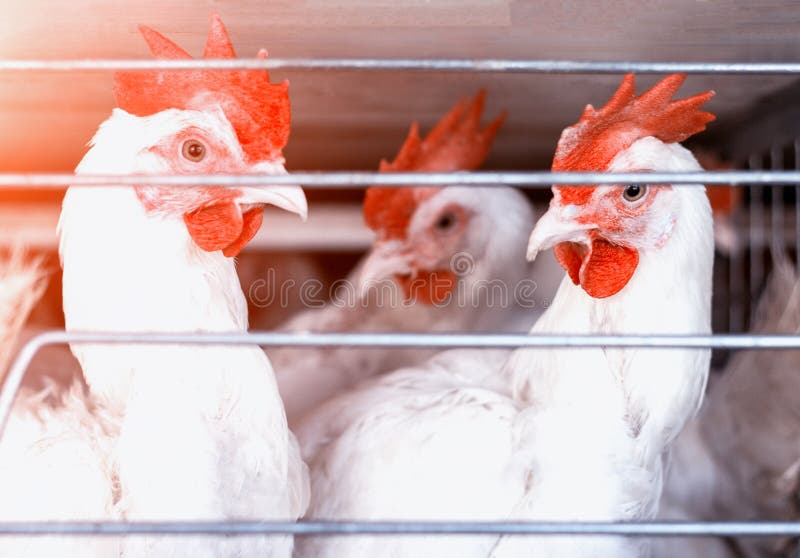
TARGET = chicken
(203,433)
(739,459)
(444,259)
(546,434)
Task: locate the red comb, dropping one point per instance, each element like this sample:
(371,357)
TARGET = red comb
(593,142)
(257,109)
(456,143)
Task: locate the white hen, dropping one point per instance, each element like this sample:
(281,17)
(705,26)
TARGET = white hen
(549,434)
(444,259)
(203,433)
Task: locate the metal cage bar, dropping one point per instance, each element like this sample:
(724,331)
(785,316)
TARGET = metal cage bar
(361,179)
(756,226)
(306,528)
(414,64)
(796,150)
(777,243)
(16,373)
(541,179)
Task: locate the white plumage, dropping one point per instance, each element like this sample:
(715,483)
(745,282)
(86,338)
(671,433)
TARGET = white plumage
(54,451)
(489,297)
(477,234)
(548,434)
(56,463)
(169,433)
(203,433)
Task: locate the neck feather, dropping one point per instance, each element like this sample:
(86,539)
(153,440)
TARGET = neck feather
(652,392)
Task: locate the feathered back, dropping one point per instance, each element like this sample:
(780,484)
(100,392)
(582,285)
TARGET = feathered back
(456,143)
(593,142)
(258,109)
(22,283)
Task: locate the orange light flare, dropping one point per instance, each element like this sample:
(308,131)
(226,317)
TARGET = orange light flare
(46,119)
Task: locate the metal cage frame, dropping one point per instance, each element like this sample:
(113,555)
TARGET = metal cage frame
(766,178)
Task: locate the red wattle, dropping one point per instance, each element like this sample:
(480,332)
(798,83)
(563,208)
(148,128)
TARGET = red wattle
(602,270)
(252,220)
(608,268)
(214,227)
(570,256)
(222,226)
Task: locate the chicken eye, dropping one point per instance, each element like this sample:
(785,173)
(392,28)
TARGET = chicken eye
(634,192)
(446,221)
(194,151)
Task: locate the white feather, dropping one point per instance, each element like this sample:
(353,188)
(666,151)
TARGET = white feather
(52,451)
(203,433)
(548,434)
(56,464)
(493,252)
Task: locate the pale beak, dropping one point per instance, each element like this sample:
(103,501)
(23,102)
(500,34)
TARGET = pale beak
(386,260)
(288,197)
(291,198)
(555,226)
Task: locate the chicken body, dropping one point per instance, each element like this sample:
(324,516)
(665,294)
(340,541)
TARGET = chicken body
(548,434)
(56,463)
(166,432)
(499,292)
(472,240)
(203,433)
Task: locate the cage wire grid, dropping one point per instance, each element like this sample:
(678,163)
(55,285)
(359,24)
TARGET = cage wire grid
(771,184)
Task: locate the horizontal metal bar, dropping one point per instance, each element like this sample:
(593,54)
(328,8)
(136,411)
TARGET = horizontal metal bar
(381,340)
(650,529)
(422,64)
(423,340)
(361,179)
